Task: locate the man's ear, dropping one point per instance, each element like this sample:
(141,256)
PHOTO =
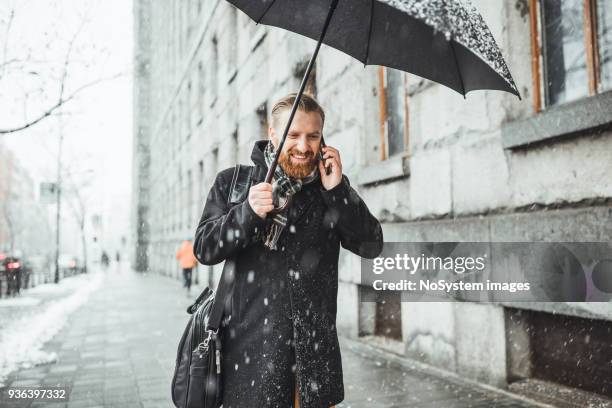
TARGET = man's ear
(272,135)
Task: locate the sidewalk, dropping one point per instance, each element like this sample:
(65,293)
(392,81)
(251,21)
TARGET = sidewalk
(118,350)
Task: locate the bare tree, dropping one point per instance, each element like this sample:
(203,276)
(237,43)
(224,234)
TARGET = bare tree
(58,86)
(78,207)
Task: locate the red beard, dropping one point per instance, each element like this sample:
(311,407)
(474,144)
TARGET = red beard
(297,170)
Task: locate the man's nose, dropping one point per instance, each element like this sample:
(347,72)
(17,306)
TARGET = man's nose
(302,145)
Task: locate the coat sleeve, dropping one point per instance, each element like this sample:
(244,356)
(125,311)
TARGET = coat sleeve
(224,230)
(360,232)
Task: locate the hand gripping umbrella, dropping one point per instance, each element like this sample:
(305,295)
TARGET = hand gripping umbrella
(446,41)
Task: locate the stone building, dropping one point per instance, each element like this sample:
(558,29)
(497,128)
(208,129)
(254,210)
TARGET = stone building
(16,194)
(24,222)
(431,165)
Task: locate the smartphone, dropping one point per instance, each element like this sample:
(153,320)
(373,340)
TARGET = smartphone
(327,169)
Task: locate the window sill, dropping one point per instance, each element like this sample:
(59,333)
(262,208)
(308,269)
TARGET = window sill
(570,119)
(392,168)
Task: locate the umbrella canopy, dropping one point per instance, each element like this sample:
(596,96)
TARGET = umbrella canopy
(446,41)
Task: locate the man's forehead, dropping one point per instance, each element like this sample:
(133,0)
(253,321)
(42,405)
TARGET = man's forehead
(310,122)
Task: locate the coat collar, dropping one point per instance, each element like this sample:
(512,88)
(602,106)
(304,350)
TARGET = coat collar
(257,155)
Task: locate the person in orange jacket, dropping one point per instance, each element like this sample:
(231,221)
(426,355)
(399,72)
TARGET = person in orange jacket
(187,261)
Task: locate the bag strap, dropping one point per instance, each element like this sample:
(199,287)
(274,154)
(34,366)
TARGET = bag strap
(241,181)
(224,291)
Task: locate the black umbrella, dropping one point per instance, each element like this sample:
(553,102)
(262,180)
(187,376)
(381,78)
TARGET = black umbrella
(446,41)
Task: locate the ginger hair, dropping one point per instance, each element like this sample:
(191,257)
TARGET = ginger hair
(307,104)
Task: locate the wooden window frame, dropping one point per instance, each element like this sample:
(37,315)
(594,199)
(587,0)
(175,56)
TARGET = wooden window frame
(383,128)
(537,60)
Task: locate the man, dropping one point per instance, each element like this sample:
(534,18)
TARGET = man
(187,262)
(280,339)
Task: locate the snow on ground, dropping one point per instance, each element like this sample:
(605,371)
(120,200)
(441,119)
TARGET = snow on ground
(63,285)
(21,342)
(19,301)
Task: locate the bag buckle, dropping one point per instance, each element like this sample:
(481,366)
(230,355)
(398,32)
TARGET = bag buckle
(203,346)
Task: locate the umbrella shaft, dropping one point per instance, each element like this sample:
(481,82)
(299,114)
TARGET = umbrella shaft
(274,163)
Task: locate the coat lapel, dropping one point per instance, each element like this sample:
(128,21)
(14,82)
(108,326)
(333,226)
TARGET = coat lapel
(302,203)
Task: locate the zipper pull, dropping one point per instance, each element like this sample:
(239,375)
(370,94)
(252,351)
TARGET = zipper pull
(218,358)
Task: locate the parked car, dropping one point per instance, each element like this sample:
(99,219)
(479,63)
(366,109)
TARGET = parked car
(70,265)
(11,274)
(40,266)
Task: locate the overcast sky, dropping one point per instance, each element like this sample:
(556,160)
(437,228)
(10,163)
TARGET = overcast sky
(98,123)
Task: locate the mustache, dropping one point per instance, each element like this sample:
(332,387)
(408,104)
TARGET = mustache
(307,154)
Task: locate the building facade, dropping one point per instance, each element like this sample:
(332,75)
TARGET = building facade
(24,223)
(431,165)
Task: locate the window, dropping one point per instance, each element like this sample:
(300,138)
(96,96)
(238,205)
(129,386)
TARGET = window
(201,89)
(604,35)
(232,48)
(298,73)
(181,125)
(393,112)
(179,199)
(174,134)
(188,111)
(200,181)
(214,163)
(189,212)
(189,20)
(181,30)
(262,115)
(572,46)
(235,146)
(213,71)
(380,314)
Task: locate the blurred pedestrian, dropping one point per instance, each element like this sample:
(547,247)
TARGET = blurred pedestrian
(187,261)
(105,260)
(118,261)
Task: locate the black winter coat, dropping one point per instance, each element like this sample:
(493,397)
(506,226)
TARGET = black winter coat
(282,320)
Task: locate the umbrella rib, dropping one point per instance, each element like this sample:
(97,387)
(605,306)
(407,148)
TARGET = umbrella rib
(452,43)
(266,11)
(369,33)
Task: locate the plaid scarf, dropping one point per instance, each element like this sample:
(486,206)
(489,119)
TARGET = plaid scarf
(283,187)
